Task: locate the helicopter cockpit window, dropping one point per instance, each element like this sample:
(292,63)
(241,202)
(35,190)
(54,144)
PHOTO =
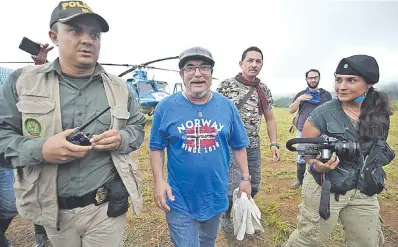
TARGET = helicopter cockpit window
(163,87)
(145,87)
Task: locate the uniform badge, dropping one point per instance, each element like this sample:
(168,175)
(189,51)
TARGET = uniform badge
(101,196)
(345,66)
(32,127)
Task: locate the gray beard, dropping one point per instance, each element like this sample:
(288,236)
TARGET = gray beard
(199,95)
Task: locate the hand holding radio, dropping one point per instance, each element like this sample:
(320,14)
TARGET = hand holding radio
(78,137)
(57,150)
(69,144)
(109,140)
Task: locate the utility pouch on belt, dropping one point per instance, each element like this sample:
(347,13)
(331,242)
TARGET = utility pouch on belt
(117,196)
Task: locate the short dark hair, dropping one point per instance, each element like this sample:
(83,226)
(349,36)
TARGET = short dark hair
(252,48)
(54,27)
(312,70)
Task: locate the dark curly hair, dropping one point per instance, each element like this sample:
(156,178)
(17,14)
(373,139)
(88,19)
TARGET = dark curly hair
(374,120)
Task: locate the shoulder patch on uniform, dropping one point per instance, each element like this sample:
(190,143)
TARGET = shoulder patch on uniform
(32,126)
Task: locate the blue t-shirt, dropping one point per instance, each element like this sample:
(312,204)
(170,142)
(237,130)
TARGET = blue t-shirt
(198,151)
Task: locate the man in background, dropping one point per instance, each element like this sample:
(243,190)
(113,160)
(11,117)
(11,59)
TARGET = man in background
(253,100)
(305,102)
(7,196)
(8,209)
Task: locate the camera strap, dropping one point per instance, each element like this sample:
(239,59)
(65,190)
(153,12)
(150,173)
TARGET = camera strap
(296,117)
(251,90)
(324,205)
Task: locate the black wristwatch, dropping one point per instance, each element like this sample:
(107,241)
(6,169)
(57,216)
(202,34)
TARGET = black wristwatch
(246,178)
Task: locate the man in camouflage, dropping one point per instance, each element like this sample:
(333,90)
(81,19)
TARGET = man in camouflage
(253,100)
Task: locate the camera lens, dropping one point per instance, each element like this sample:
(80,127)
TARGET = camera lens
(346,149)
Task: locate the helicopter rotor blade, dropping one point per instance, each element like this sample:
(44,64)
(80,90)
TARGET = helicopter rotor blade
(133,67)
(151,67)
(145,64)
(118,64)
(16,62)
(108,64)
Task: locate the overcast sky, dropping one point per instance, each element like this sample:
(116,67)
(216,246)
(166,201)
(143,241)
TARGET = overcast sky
(294,36)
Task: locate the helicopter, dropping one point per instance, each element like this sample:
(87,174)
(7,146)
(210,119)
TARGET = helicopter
(149,92)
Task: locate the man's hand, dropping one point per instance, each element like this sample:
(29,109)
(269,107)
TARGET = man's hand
(305,97)
(160,190)
(109,140)
(276,154)
(57,150)
(246,187)
(325,167)
(41,57)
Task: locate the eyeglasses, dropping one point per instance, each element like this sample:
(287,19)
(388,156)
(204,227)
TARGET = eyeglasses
(202,69)
(315,78)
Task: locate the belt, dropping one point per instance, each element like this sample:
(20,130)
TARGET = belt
(77,201)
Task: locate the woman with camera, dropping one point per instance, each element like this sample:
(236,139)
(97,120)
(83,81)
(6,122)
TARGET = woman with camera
(345,187)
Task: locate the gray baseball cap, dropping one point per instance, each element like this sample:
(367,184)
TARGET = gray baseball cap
(195,53)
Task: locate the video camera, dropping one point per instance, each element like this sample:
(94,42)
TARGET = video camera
(322,148)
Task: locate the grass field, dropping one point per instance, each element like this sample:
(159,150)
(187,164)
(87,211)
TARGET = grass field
(277,202)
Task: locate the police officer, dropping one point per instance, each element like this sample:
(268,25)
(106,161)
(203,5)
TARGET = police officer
(79,193)
(349,181)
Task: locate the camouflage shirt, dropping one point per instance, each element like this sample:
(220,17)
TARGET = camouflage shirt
(249,112)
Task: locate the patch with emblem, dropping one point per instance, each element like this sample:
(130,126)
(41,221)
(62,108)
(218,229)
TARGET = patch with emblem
(33,127)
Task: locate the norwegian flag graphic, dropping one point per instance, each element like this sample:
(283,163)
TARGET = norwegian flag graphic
(201,136)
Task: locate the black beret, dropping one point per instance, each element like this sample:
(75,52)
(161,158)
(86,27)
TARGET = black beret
(360,65)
